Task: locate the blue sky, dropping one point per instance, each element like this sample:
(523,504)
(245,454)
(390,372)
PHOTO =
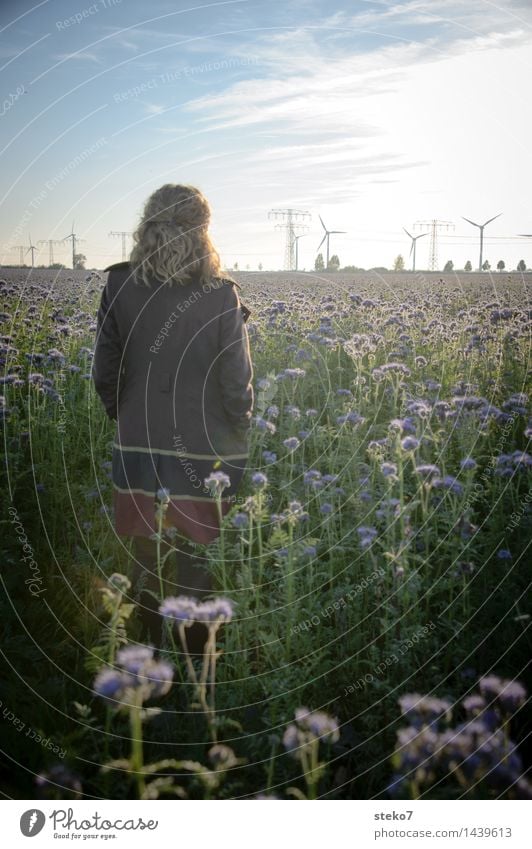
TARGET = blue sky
(374,114)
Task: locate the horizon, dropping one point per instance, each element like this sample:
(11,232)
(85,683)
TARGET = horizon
(373,115)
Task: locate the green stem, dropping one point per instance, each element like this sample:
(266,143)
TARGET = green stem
(137,758)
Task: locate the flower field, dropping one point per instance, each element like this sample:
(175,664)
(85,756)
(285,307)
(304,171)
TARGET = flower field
(369,637)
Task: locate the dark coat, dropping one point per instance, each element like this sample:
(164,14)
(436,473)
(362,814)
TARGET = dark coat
(172,366)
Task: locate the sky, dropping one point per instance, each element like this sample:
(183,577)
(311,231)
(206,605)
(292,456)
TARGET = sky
(373,114)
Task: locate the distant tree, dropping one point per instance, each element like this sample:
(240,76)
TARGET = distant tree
(468,266)
(521,265)
(235,266)
(350,269)
(379,268)
(399,263)
(319,265)
(501,265)
(334,263)
(260,266)
(485,265)
(57,265)
(79,261)
(449,265)
(247,266)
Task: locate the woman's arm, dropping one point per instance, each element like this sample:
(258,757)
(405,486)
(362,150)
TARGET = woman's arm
(235,368)
(107,355)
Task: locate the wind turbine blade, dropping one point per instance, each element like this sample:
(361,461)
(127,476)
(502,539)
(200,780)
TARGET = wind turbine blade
(421,235)
(525,235)
(337,231)
(407,233)
(322,224)
(322,241)
(412,247)
(492,219)
(471,222)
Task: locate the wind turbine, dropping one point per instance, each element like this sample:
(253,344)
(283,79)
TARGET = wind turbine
(32,248)
(413,246)
(296,241)
(326,237)
(481,228)
(74,238)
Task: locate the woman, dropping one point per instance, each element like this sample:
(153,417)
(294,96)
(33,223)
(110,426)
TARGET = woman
(172,366)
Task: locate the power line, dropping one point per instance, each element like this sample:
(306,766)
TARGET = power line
(434,225)
(123,234)
(291,220)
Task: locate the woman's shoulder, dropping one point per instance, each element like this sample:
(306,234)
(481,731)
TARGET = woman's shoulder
(119,266)
(225,279)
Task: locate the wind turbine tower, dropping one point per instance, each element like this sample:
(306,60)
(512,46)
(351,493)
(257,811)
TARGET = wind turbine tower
(75,239)
(435,226)
(290,221)
(328,233)
(296,239)
(123,234)
(413,246)
(481,228)
(50,243)
(32,248)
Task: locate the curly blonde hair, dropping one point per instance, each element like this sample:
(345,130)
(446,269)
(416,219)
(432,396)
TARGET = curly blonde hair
(172,242)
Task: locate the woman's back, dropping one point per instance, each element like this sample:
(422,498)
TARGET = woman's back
(185,373)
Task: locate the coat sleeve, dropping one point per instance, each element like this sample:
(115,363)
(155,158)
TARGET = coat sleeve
(235,369)
(107,359)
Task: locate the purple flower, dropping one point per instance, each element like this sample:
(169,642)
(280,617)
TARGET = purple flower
(132,658)
(112,684)
(510,695)
(448,483)
(409,443)
(406,425)
(292,443)
(259,480)
(217,482)
(427,470)
(468,464)
(389,470)
(181,608)
(423,709)
(504,554)
(326,508)
(240,520)
(220,609)
(367,535)
(119,582)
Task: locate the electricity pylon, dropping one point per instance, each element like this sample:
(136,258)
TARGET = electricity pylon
(50,243)
(434,225)
(123,235)
(291,220)
(20,249)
